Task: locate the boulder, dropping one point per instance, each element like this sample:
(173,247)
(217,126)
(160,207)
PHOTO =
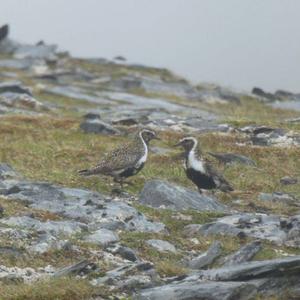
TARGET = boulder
(161,194)
(246,253)
(195,289)
(14,87)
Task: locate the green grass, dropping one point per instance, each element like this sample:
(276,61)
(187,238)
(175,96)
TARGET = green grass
(48,289)
(52,148)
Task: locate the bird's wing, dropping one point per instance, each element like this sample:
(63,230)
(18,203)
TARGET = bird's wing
(119,159)
(217,177)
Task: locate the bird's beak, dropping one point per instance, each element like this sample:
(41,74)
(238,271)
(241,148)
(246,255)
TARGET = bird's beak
(178,144)
(157,138)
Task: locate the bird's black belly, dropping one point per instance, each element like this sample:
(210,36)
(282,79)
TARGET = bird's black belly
(131,171)
(202,181)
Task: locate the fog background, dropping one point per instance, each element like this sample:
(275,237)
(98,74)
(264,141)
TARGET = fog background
(235,43)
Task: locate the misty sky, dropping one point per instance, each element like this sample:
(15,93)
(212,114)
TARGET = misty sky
(237,43)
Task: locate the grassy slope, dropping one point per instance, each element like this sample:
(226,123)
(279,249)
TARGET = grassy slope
(52,148)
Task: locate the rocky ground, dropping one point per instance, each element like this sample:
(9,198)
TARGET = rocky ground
(67,237)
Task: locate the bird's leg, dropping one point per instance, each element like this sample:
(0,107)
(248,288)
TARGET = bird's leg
(119,180)
(118,190)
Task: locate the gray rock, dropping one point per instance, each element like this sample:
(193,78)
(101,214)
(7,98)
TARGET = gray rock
(161,246)
(38,51)
(211,93)
(48,242)
(124,252)
(14,87)
(160,194)
(261,93)
(255,270)
(98,126)
(240,281)
(121,276)
(76,93)
(258,226)
(230,158)
(196,289)
(18,64)
(102,237)
(155,85)
(288,180)
(246,253)
(7,172)
(140,102)
(279,197)
(56,228)
(4,30)
(78,204)
(207,258)
(21,101)
(82,268)
(268,136)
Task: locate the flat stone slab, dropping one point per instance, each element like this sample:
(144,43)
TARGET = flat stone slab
(162,194)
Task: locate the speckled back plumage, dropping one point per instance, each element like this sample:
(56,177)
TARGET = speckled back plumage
(124,156)
(124,161)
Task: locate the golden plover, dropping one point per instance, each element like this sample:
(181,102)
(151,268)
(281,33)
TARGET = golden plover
(126,160)
(199,170)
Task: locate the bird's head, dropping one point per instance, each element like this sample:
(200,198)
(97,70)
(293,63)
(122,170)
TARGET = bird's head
(147,135)
(187,143)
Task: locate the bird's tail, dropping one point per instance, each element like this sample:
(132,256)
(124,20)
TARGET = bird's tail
(214,155)
(226,187)
(87,172)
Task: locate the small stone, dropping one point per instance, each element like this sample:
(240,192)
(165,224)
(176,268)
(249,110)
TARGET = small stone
(97,126)
(1,211)
(279,197)
(288,180)
(126,253)
(102,237)
(161,246)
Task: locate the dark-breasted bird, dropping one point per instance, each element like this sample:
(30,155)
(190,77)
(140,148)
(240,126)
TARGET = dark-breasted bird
(126,160)
(199,170)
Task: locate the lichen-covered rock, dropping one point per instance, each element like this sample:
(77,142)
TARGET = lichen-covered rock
(206,258)
(246,253)
(102,237)
(161,194)
(161,246)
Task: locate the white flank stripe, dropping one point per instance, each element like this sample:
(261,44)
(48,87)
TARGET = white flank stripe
(143,159)
(193,162)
